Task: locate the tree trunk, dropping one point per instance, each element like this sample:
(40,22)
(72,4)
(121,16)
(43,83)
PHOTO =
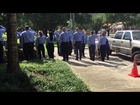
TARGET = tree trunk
(13,62)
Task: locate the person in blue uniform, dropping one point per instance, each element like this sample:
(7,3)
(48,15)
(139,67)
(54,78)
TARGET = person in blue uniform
(27,42)
(19,31)
(91,44)
(84,41)
(99,37)
(102,45)
(64,41)
(32,31)
(57,34)
(2,30)
(70,41)
(107,49)
(50,45)
(77,40)
(40,44)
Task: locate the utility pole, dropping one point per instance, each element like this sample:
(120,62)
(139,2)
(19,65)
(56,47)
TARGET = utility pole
(73,22)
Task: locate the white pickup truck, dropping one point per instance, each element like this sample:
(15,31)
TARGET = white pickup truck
(126,42)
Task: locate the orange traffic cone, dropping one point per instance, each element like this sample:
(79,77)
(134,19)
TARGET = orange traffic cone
(134,72)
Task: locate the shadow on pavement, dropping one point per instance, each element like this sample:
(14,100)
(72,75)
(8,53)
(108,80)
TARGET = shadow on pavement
(122,57)
(116,59)
(116,63)
(89,62)
(114,54)
(107,65)
(78,64)
(125,58)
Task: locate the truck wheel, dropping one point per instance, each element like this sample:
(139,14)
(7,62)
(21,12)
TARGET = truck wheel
(137,56)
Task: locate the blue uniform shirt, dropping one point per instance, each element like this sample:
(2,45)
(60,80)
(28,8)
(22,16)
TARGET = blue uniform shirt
(107,44)
(70,35)
(91,39)
(64,37)
(57,35)
(26,37)
(19,34)
(102,41)
(77,36)
(40,40)
(32,31)
(2,30)
(84,39)
(48,40)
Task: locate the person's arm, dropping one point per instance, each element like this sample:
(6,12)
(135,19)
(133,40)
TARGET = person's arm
(34,32)
(21,40)
(60,39)
(3,29)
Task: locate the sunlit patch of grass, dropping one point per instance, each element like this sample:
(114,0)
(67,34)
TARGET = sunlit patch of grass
(42,76)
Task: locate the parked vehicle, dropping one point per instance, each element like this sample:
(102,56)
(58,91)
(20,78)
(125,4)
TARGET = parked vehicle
(127,43)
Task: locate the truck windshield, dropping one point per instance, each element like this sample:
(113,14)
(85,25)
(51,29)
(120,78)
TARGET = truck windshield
(136,35)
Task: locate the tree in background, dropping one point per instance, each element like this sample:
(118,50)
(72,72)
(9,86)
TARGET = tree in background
(13,62)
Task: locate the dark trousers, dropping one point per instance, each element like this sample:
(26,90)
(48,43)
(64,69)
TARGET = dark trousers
(65,50)
(1,52)
(74,49)
(78,49)
(83,49)
(92,52)
(41,49)
(50,49)
(58,48)
(103,52)
(70,47)
(107,53)
(28,50)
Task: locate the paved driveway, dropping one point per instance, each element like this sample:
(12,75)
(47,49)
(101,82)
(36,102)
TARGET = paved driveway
(108,76)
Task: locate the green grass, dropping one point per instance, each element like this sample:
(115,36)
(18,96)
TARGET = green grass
(41,76)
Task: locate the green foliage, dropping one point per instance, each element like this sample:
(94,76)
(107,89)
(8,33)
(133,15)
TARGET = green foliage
(41,76)
(45,21)
(97,19)
(138,20)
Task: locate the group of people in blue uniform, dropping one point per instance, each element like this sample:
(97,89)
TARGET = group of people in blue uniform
(67,40)
(27,41)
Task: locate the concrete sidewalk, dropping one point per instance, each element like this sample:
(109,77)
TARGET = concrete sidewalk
(100,78)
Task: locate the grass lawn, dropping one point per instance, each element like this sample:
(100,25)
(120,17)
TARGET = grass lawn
(41,76)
